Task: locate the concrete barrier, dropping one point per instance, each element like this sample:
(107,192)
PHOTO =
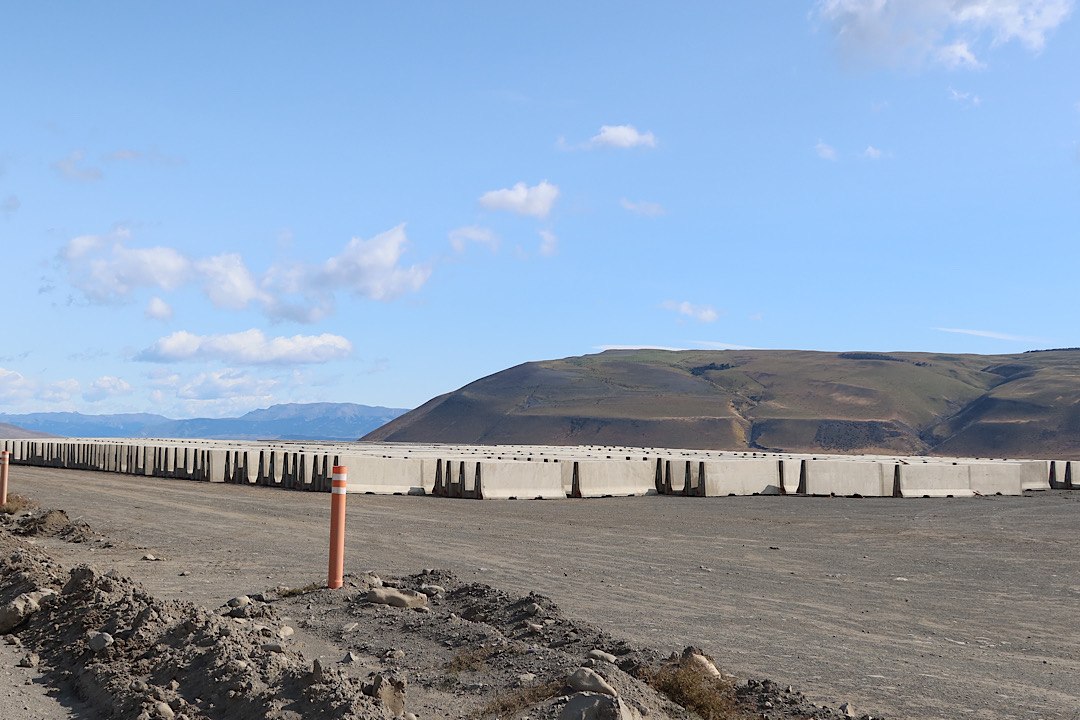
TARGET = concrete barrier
(756,476)
(1034,474)
(932,480)
(603,478)
(518,480)
(995,478)
(847,478)
(384,476)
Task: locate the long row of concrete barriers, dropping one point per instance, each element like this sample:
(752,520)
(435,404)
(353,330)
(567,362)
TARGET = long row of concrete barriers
(547,472)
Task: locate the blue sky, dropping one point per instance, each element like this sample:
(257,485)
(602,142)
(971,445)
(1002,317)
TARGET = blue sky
(207,208)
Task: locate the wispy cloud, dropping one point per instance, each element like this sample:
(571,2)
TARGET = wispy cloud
(10,205)
(938,31)
(701,313)
(872,152)
(461,236)
(637,347)
(643,207)
(990,334)
(521,199)
(720,345)
(250,347)
(825,152)
(549,244)
(72,168)
(964,98)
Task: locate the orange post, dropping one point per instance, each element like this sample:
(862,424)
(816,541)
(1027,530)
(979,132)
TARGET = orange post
(337,528)
(3,476)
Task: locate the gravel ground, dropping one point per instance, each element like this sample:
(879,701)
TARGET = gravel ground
(913,608)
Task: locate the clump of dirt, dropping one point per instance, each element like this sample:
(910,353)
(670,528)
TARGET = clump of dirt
(16,504)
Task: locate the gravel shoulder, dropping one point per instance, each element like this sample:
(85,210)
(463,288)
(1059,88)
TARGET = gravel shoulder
(915,608)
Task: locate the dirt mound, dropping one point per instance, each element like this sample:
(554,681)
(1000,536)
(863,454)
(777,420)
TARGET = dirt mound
(409,648)
(136,657)
(55,523)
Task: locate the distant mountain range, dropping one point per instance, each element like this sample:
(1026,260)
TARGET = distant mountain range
(1024,405)
(294,421)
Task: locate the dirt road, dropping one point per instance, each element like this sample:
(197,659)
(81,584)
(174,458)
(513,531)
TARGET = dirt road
(912,608)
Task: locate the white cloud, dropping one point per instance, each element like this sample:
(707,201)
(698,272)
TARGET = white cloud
(536,201)
(549,244)
(622,136)
(107,271)
(701,313)
(825,152)
(250,347)
(227,383)
(964,98)
(72,168)
(158,309)
(106,386)
(644,207)
(473,233)
(958,55)
(370,267)
(228,282)
(913,32)
(872,152)
(990,334)
(637,347)
(16,388)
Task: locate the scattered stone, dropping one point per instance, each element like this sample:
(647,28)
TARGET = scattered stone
(592,706)
(30,660)
(285,632)
(350,658)
(696,659)
(588,681)
(526,678)
(151,558)
(184,573)
(317,669)
(598,654)
(350,627)
(534,609)
(848,709)
(273,647)
(432,590)
(239,601)
(396,598)
(390,693)
(99,641)
(22,607)
(163,710)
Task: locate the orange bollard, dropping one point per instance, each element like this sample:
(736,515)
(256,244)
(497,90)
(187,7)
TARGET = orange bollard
(337,528)
(3,475)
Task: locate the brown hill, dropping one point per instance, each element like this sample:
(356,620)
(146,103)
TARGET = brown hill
(1025,405)
(14,432)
